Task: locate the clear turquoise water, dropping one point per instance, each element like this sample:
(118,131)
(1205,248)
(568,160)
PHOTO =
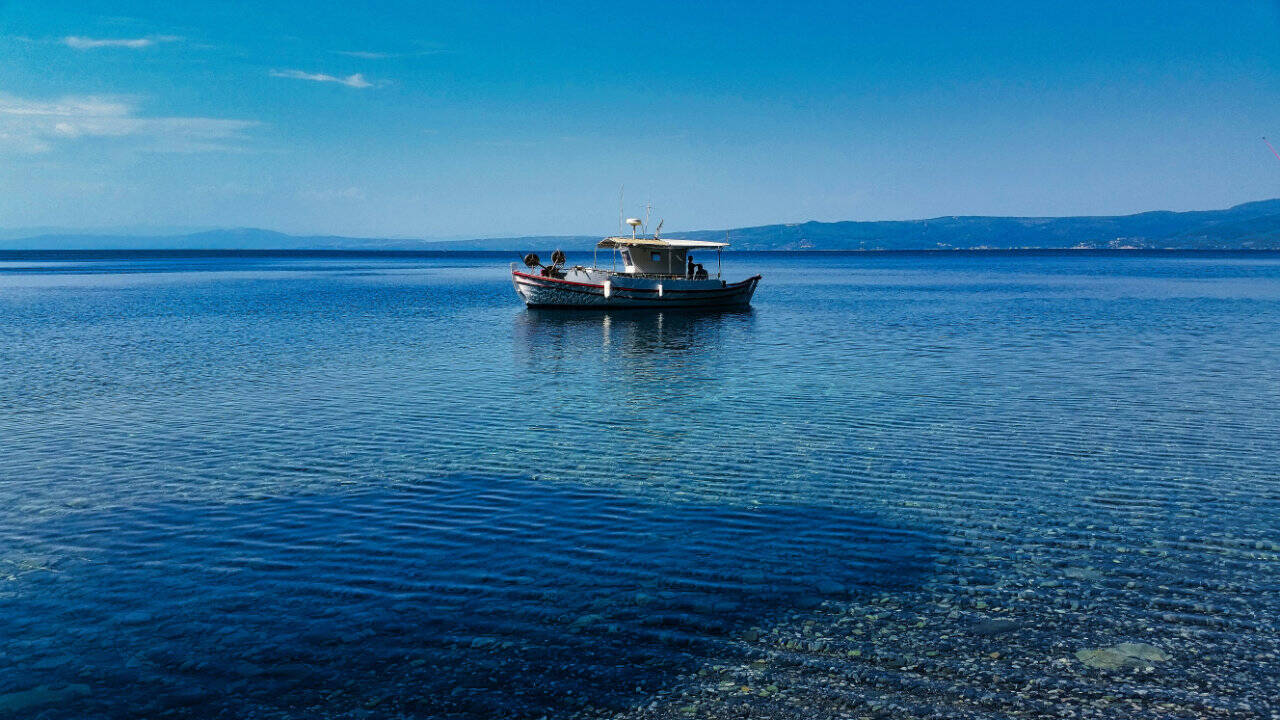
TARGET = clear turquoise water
(902,485)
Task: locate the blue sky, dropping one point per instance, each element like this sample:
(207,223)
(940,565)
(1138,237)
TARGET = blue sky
(449,119)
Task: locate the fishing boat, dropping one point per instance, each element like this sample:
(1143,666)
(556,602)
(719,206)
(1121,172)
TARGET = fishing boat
(645,272)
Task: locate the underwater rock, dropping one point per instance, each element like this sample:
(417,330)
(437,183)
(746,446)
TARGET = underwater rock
(1122,655)
(1081,573)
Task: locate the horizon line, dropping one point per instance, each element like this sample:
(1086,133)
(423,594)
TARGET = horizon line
(108,233)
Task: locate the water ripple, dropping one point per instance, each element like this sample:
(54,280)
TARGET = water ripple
(900,486)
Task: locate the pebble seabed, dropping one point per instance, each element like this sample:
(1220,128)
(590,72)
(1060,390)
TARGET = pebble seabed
(976,628)
(1031,648)
(926,657)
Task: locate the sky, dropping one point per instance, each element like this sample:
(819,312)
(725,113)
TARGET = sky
(447,120)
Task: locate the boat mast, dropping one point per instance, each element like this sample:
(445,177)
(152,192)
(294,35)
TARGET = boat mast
(719,267)
(1273,149)
(621,214)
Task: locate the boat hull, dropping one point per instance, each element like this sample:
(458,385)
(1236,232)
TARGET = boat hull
(627,292)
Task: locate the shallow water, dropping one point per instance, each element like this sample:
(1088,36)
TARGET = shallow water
(901,485)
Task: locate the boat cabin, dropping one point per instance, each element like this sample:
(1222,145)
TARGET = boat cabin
(659,257)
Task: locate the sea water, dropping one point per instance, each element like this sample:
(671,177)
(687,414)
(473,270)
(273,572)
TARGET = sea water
(900,485)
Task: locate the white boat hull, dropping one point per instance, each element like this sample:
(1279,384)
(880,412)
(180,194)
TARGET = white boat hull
(585,290)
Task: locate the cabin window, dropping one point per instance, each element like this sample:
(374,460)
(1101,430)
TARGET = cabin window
(656,257)
(626,257)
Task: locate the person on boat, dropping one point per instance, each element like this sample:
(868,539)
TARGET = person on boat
(689,272)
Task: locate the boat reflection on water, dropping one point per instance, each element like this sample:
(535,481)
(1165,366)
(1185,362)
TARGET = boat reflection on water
(646,363)
(684,342)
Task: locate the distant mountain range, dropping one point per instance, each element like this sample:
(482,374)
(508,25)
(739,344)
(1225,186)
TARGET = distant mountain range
(1254,225)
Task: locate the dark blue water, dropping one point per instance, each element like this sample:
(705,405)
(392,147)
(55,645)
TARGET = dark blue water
(901,485)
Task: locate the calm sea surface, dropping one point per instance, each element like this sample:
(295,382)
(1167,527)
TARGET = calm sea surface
(901,485)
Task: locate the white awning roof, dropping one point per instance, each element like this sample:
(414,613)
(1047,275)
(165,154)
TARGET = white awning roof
(611,242)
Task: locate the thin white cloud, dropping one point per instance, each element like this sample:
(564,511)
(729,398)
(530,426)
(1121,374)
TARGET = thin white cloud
(36,126)
(356,80)
(373,55)
(365,55)
(79,42)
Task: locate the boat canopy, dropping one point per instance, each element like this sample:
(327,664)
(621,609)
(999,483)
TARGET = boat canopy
(612,242)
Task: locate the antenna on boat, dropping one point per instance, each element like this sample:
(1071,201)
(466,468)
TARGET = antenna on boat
(648,208)
(655,232)
(634,223)
(1273,149)
(620,213)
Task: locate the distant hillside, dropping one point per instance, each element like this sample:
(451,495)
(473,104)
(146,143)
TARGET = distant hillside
(233,239)
(257,239)
(535,243)
(1254,225)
